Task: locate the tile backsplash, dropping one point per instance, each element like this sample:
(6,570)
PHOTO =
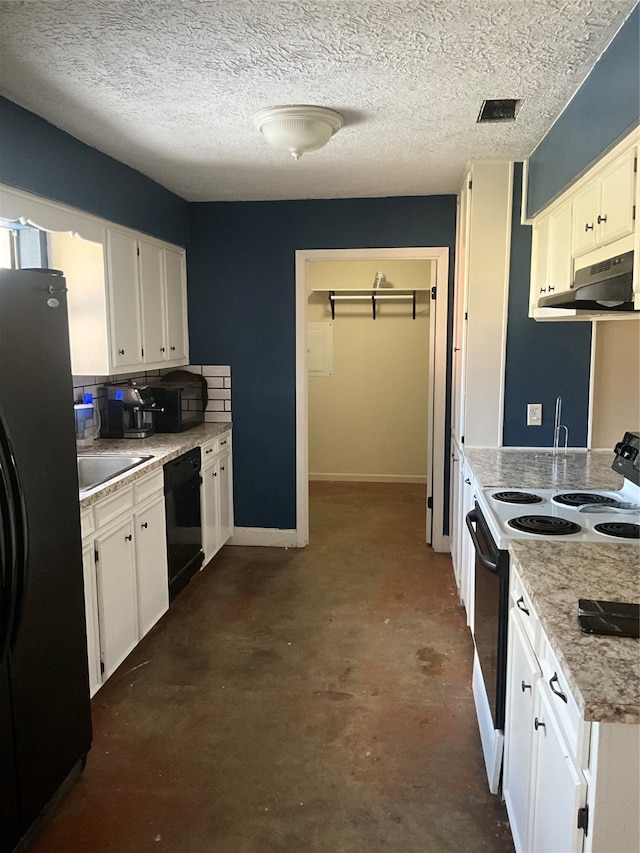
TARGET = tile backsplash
(218,378)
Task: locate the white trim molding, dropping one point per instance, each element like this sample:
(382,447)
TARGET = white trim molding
(437,380)
(269,537)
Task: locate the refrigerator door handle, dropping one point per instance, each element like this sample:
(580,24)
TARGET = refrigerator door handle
(14,539)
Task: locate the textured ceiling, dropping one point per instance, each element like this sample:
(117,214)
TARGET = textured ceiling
(170,88)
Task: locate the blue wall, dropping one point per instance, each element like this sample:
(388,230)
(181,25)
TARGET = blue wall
(606,105)
(39,158)
(543,360)
(241,269)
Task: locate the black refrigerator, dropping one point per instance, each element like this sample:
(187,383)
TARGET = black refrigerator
(45,720)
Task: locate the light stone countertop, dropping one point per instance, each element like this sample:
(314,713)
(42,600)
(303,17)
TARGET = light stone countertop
(161,446)
(603,672)
(531,468)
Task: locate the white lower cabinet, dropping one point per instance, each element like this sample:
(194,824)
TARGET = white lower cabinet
(151,564)
(522,676)
(570,786)
(117,607)
(462,554)
(125,565)
(559,788)
(216,495)
(91,614)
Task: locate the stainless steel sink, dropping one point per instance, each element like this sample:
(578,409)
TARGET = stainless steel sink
(95,470)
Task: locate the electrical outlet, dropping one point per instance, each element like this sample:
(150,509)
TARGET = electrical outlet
(534,414)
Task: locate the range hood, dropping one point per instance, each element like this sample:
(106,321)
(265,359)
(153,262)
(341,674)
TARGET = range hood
(603,286)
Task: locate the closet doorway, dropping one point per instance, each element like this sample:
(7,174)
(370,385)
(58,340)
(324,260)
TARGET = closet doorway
(340,282)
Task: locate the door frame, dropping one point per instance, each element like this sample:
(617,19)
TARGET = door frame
(436,379)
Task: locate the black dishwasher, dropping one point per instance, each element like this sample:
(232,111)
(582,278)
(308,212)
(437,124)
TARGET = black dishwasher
(182,508)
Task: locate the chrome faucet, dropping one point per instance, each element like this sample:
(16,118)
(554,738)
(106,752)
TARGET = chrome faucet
(557,426)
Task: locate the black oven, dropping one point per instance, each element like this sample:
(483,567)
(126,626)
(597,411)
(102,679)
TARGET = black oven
(491,613)
(182,509)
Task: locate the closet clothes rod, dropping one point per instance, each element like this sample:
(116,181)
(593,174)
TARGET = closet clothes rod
(373,297)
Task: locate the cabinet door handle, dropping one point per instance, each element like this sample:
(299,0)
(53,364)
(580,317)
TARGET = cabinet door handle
(121,351)
(162,349)
(552,289)
(144,524)
(538,725)
(215,473)
(543,290)
(222,467)
(521,605)
(602,219)
(559,693)
(457,349)
(525,686)
(467,481)
(173,349)
(128,538)
(588,227)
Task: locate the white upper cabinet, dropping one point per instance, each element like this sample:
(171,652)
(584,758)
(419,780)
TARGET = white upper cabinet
(152,303)
(124,300)
(127,292)
(593,219)
(176,306)
(604,210)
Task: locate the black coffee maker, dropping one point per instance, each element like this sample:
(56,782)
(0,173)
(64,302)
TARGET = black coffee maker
(128,411)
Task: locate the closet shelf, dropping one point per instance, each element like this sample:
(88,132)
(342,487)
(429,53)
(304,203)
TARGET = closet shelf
(373,296)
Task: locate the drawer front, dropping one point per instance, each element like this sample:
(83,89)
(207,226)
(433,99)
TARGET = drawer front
(575,729)
(150,486)
(210,449)
(523,610)
(109,508)
(87,522)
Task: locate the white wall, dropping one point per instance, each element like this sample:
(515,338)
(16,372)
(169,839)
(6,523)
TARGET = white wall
(368,420)
(616,381)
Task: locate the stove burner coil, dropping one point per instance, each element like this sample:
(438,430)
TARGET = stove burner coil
(620,529)
(517,497)
(583,498)
(544,525)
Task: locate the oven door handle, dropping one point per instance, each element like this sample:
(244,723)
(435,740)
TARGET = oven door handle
(492,565)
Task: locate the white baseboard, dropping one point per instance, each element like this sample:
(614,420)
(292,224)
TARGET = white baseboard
(271,537)
(370,478)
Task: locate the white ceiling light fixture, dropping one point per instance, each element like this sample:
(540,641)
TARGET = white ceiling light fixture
(298,128)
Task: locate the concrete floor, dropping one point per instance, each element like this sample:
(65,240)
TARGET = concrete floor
(297,701)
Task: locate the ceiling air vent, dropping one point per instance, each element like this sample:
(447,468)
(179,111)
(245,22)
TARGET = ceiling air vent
(504,109)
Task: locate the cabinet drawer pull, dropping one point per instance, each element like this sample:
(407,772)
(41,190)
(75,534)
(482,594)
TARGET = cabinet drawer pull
(210,450)
(559,693)
(538,725)
(121,352)
(552,289)
(128,538)
(525,686)
(521,605)
(162,349)
(588,227)
(222,467)
(144,524)
(543,290)
(215,473)
(223,442)
(173,349)
(602,219)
